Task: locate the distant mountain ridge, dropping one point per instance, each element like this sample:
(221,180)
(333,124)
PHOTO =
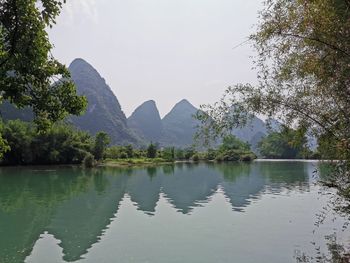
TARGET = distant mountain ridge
(179,125)
(104,112)
(145,125)
(146,121)
(176,129)
(9,112)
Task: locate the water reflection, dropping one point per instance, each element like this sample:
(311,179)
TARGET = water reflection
(76,206)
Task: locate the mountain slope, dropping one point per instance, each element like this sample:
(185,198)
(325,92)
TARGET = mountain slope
(9,112)
(254,126)
(104,112)
(146,122)
(179,126)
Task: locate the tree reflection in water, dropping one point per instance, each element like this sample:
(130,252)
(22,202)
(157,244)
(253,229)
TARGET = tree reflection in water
(337,253)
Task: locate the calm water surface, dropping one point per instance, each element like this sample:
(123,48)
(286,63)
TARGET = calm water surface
(259,212)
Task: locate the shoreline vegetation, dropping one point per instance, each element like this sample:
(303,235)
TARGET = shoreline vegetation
(63,144)
(137,163)
(146,162)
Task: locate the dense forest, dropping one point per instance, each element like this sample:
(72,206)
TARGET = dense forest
(60,144)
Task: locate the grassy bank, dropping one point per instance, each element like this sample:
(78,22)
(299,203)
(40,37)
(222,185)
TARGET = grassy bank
(142,162)
(135,162)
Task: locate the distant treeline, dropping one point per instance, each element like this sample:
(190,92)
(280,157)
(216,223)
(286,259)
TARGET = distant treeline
(232,149)
(64,144)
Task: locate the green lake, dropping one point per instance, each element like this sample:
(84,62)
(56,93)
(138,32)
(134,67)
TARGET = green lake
(261,212)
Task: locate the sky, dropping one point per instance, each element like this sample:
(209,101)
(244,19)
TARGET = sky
(165,50)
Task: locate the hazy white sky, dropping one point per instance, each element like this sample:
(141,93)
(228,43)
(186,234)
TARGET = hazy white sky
(164,50)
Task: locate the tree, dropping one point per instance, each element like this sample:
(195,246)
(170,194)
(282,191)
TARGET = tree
(168,153)
(151,151)
(233,149)
(179,154)
(101,142)
(19,137)
(89,161)
(4,147)
(129,151)
(286,144)
(189,152)
(327,147)
(60,144)
(29,74)
(231,142)
(303,58)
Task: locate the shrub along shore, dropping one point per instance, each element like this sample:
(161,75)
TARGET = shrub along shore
(232,149)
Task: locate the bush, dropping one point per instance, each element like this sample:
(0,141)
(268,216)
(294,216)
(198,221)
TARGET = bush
(211,154)
(168,153)
(129,151)
(188,153)
(315,156)
(179,154)
(219,157)
(247,157)
(112,152)
(152,151)
(89,161)
(195,158)
(123,155)
(231,156)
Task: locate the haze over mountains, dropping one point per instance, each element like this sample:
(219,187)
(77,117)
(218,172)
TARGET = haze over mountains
(145,125)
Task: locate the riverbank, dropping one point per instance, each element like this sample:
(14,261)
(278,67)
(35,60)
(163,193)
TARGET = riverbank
(145,162)
(135,162)
(292,160)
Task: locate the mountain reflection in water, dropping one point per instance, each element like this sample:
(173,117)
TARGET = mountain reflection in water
(76,206)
